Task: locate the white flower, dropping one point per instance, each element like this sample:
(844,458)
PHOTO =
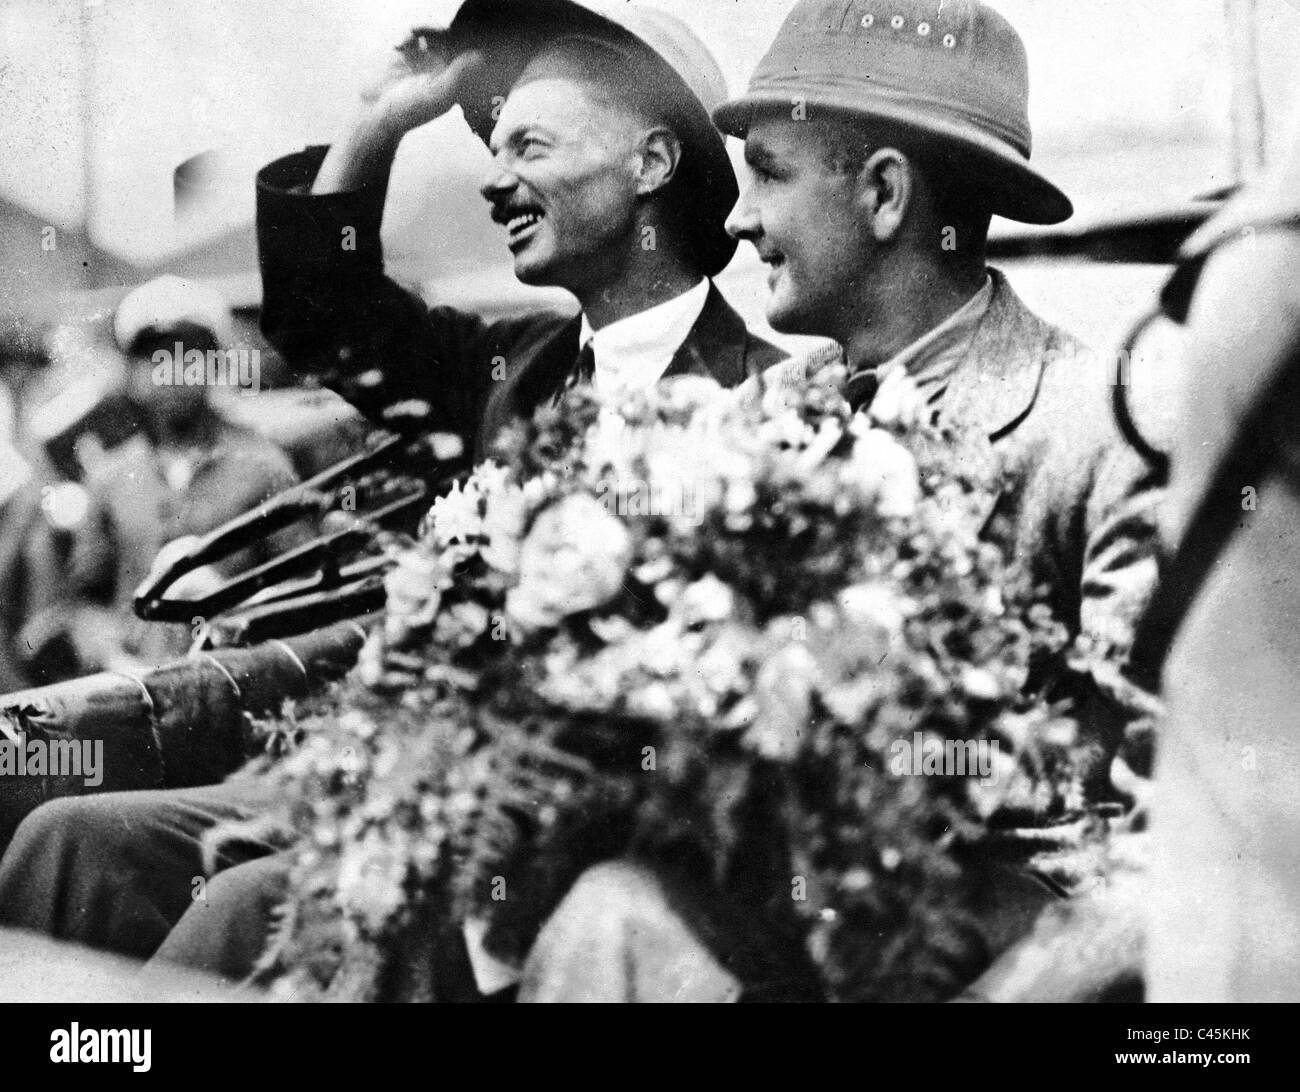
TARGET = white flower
(371,881)
(538,489)
(882,471)
(707,600)
(660,650)
(574,559)
(414,588)
(613,630)
(464,622)
(691,390)
(652,572)
(850,701)
(503,525)
(356,723)
(610,443)
(455,515)
(491,478)
(785,429)
(741,496)
(689,462)
(980,684)
(873,605)
(783,692)
(721,669)
(899,401)
(653,700)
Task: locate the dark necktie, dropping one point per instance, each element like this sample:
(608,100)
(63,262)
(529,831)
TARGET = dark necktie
(584,368)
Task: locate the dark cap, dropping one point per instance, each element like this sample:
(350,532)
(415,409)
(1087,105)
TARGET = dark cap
(953,71)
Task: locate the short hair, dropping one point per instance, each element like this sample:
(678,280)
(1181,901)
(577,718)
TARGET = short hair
(956,196)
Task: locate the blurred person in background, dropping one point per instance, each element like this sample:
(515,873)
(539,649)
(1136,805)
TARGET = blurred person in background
(39,512)
(183,471)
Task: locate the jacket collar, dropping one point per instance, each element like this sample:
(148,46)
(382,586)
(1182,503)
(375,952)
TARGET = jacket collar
(715,346)
(998,383)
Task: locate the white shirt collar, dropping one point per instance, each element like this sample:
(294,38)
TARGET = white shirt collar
(634,352)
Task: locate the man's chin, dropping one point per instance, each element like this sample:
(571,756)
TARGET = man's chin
(533,270)
(786,317)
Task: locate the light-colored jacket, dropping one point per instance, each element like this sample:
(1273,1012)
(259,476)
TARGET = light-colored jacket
(1083,503)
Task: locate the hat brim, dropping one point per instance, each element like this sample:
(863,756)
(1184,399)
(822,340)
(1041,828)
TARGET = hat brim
(1011,187)
(510,33)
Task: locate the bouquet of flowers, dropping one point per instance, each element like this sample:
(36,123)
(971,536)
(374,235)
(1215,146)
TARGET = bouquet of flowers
(748,637)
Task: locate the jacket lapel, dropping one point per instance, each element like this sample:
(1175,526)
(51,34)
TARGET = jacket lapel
(715,347)
(545,361)
(996,387)
(998,383)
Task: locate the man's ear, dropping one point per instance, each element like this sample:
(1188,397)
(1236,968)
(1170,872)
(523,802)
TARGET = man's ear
(886,189)
(661,153)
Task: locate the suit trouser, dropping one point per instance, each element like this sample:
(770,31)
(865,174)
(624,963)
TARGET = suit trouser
(117,871)
(225,932)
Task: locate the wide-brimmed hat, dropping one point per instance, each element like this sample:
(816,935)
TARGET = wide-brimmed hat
(667,63)
(953,71)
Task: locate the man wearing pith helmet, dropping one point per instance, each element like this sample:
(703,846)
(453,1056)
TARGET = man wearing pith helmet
(608,179)
(881,137)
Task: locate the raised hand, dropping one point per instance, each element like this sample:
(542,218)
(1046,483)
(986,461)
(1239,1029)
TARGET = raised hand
(415,85)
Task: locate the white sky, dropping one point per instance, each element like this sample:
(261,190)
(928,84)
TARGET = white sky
(171,78)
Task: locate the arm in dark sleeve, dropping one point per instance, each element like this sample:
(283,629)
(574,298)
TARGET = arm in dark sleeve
(329,308)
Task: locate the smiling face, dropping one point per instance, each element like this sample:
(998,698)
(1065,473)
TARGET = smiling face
(803,215)
(563,179)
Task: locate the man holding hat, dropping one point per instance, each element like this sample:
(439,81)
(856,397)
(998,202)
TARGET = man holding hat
(611,181)
(607,176)
(881,139)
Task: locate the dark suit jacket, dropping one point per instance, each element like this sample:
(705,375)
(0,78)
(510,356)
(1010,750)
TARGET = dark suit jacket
(330,310)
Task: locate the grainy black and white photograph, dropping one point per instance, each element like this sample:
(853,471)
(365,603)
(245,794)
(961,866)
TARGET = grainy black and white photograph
(684,501)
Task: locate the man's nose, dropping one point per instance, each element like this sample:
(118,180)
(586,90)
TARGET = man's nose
(743,221)
(497,182)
